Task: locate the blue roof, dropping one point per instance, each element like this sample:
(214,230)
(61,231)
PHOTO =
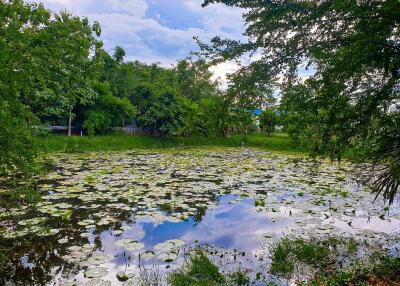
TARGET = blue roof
(257,112)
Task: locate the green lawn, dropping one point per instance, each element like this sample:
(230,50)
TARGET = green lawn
(55,143)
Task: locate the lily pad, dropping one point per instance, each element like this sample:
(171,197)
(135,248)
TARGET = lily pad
(63,240)
(168,257)
(169,245)
(95,260)
(32,221)
(123,276)
(147,255)
(96,272)
(97,282)
(129,244)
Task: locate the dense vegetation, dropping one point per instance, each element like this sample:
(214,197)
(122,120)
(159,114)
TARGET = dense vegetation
(54,71)
(351,100)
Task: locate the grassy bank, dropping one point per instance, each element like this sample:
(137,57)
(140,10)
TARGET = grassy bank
(118,142)
(331,261)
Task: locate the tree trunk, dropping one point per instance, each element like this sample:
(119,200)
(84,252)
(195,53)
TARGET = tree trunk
(70,122)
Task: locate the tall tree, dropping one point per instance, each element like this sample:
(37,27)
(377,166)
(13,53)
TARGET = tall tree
(194,79)
(72,63)
(20,32)
(354,48)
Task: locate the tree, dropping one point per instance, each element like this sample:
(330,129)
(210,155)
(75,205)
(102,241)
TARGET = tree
(119,54)
(194,79)
(71,63)
(160,110)
(107,111)
(268,121)
(20,38)
(354,48)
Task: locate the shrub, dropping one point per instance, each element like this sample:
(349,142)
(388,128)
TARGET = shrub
(97,121)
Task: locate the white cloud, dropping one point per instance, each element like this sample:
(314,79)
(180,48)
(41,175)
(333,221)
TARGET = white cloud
(127,23)
(136,8)
(221,71)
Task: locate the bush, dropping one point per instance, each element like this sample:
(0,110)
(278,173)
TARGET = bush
(97,121)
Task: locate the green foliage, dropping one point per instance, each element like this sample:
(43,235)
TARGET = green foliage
(194,80)
(97,122)
(351,97)
(107,111)
(238,278)
(384,270)
(45,69)
(119,54)
(288,252)
(4,259)
(160,109)
(268,121)
(68,69)
(216,116)
(199,271)
(17,151)
(19,24)
(332,261)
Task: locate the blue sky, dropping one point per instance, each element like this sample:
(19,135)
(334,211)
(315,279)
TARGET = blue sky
(160,30)
(155,30)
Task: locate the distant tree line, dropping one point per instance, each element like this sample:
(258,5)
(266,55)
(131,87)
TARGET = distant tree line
(55,71)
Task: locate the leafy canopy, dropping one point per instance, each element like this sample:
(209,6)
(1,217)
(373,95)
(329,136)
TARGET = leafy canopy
(352,98)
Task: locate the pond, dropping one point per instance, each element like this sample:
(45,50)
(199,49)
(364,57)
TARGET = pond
(104,214)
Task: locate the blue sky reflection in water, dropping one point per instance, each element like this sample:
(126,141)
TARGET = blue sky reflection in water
(232,224)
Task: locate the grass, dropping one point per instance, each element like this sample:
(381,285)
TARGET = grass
(287,253)
(322,255)
(384,271)
(332,261)
(120,142)
(318,254)
(198,271)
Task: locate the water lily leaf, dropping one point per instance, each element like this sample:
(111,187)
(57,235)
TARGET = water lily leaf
(123,276)
(118,232)
(95,260)
(130,244)
(97,282)
(86,222)
(96,272)
(168,257)
(32,221)
(63,240)
(147,255)
(169,245)
(69,284)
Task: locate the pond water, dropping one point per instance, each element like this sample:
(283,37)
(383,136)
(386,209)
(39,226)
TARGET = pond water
(139,213)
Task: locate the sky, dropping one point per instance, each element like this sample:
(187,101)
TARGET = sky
(158,30)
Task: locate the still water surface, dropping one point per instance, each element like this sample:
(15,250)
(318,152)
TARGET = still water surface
(133,211)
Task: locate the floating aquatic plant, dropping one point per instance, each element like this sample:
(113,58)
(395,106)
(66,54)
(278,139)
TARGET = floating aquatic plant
(96,272)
